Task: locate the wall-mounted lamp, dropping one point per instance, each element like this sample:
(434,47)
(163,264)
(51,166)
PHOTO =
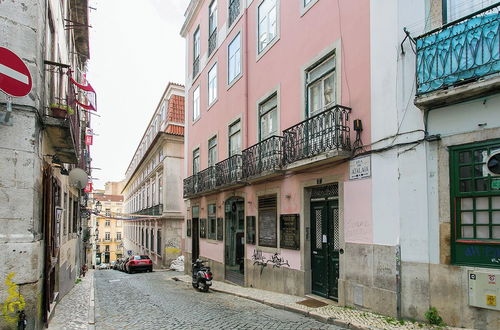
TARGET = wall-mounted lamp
(288,196)
(98,207)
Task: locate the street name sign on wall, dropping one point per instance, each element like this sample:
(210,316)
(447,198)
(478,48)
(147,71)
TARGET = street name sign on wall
(360,168)
(15,77)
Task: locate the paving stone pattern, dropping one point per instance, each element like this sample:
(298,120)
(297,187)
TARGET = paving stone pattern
(332,314)
(155,301)
(71,313)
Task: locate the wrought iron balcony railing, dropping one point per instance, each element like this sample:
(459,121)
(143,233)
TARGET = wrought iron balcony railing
(153,210)
(326,131)
(196,66)
(460,51)
(263,157)
(189,186)
(212,41)
(234,10)
(228,171)
(205,180)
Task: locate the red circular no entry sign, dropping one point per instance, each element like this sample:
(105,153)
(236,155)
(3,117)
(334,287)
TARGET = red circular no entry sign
(15,78)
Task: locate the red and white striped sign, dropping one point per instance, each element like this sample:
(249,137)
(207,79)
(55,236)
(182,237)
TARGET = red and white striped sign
(15,77)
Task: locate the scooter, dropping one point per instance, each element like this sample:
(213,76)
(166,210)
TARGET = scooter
(202,276)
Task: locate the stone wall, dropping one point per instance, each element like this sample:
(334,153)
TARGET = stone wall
(369,278)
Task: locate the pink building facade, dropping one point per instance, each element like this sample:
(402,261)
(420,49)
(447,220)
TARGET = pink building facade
(313,161)
(270,110)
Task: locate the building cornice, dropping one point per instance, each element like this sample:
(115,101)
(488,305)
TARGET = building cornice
(160,136)
(191,12)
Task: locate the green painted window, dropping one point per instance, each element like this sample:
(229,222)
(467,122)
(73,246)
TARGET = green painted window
(475,205)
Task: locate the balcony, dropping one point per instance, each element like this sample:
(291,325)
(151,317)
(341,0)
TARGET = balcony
(223,175)
(320,138)
(212,42)
(64,133)
(228,172)
(196,66)
(460,60)
(234,10)
(153,210)
(263,159)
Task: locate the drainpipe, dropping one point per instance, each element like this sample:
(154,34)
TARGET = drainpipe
(246,74)
(398,281)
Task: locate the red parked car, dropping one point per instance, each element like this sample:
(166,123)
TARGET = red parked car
(139,262)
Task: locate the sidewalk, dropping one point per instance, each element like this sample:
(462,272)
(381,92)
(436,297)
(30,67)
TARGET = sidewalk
(340,316)
(73,311)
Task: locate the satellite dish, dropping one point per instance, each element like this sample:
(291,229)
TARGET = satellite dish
(78,178)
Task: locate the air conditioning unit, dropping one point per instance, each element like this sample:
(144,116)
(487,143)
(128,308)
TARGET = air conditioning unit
(491,163)
(484,289)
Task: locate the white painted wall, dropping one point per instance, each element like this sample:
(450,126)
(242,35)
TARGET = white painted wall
(465,117)
(399,190)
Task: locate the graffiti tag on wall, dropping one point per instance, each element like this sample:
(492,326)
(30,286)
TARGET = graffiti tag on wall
(14,302)
(260,260)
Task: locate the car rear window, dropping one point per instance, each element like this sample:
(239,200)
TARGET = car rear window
(140,257)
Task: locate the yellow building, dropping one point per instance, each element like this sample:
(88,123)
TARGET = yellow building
(108,232)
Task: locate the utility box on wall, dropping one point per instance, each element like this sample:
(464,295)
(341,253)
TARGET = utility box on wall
(484,289)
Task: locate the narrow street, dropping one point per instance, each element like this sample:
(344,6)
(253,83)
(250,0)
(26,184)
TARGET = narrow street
(155,301)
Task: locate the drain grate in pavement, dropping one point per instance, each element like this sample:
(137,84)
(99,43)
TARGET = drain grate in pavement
(312,303)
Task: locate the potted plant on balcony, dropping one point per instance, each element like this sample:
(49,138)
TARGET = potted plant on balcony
(61,110)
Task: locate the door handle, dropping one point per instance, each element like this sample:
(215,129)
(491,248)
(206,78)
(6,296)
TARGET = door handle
(315,252)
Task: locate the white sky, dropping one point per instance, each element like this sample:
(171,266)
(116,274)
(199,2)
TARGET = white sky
(135,50)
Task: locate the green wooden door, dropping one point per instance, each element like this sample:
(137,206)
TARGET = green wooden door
(325,248)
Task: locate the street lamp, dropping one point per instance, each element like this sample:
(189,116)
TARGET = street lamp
(98,207)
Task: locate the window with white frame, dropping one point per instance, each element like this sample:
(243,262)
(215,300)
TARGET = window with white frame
(196,103)
(320,83)
(456,9)
(212,151)
(267,18)
(196,161)
(268,117)
(160,190)
(234,58)
(212,84)
(235,138)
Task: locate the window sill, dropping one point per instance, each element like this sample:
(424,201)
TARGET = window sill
(234,81)
(305,9)
(267,48)
(212,104)
(195,120)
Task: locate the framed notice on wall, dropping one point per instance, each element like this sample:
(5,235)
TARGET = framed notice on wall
(267,228)
(188,228)
(220,229)
(250,230)
(290,231)
(203,228)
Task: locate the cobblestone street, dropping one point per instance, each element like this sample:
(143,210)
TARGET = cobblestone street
(155,301)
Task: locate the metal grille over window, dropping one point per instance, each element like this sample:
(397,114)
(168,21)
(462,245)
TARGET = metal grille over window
(267,227)
(335,229)
(319,237)
(331,190)
(234,10)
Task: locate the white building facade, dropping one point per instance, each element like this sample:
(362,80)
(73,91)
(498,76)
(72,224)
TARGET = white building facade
(153,188)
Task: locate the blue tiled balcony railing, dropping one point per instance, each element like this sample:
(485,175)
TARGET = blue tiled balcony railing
(459,52)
